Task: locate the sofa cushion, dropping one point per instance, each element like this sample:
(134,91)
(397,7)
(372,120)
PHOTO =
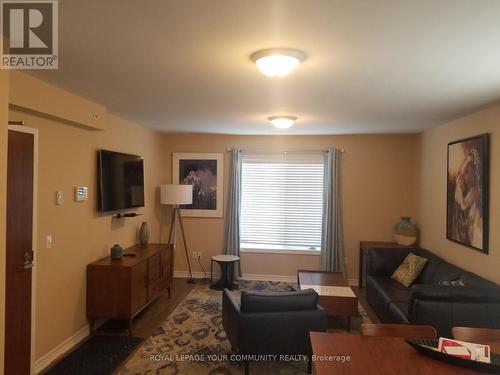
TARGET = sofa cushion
(283,301)
(380,291)
(383,262)
(409,270)
(391,289)
(433,261)
(472,279)
(446,272)
(398,312)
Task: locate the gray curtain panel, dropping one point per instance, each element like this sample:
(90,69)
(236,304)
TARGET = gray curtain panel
(332,248)
(232,240)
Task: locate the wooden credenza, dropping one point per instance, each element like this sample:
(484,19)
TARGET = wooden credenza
(120,289)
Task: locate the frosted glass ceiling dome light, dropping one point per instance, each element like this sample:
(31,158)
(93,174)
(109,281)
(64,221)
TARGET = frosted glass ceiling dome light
(277,62)
(282,122)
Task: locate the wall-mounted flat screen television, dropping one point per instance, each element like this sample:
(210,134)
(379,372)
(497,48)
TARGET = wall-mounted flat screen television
(121,181)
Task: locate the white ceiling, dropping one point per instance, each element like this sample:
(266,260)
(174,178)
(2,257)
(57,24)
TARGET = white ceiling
(372,67)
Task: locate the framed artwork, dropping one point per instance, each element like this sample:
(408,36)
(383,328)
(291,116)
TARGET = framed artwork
(467,211)
(205,172)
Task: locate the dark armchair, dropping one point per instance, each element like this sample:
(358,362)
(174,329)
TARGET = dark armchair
(272,323)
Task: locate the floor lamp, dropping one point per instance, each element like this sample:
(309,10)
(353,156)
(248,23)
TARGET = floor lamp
(175,195)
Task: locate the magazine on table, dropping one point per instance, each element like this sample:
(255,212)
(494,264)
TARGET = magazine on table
(466,350)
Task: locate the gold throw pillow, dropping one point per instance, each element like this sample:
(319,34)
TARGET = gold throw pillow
(408,271)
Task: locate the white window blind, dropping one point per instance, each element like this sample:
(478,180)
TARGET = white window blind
(282,201)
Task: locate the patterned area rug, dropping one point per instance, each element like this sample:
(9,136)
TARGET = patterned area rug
(191,341)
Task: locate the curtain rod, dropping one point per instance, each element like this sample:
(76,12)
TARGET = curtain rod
(342,150)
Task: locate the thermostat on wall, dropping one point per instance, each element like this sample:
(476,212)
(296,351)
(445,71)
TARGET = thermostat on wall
(81,193)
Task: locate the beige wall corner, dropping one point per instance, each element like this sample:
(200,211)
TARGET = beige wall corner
(432,192)
(32,94)
(4,102)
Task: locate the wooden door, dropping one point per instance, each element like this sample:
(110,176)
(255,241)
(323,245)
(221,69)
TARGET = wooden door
(19,255)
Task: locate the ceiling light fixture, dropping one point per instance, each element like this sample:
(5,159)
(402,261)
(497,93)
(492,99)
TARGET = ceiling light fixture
(277,62)
(282,122)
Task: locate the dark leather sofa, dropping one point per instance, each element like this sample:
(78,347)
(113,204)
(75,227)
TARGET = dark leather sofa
(272,323)
(427,301)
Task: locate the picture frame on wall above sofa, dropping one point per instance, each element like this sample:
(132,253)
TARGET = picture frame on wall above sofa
(467,211)
(205,172)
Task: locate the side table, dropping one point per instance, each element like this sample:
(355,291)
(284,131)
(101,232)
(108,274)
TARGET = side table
(226,263)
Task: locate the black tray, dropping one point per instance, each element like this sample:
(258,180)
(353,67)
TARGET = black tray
(422,347)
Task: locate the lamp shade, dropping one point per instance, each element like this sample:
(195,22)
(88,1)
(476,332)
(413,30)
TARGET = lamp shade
(176,194)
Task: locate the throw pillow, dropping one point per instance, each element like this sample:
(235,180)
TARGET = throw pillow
(408,271)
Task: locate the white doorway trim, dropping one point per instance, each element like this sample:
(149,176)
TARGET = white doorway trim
(24,129)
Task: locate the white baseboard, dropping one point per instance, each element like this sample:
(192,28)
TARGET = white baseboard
(249,276)
(260,277)
(47,359)
(196,274)
(252,276)
(44,361)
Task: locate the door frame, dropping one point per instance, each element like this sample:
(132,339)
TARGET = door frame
(24,129)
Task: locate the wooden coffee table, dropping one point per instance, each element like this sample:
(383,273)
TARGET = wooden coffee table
(335,294)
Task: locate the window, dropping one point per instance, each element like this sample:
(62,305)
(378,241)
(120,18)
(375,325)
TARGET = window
(282,201)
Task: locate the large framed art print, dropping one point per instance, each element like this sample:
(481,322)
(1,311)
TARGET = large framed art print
(205,172)
(467,211)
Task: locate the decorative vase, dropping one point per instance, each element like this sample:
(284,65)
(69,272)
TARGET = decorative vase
(405,233)
(116,252)
(144,234)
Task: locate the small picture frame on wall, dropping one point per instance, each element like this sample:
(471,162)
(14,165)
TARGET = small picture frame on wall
(467,211)
(205,172)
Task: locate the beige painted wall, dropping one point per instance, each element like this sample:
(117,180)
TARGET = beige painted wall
(432,192)
(4,95)
(378,185)
(67,159)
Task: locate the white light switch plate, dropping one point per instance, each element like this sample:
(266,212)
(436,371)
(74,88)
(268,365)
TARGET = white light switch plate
(59,197)
(50,241)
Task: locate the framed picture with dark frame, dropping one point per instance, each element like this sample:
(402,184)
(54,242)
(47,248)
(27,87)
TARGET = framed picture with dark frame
(205,172)
(467,203)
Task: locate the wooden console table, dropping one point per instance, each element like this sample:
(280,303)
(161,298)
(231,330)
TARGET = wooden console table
(364,246)
(120,289)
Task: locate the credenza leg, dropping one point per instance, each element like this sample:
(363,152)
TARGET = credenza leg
(130,323)
(247,367)
(309,363)
(91,326)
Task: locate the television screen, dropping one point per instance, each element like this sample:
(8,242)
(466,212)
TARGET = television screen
(121,181)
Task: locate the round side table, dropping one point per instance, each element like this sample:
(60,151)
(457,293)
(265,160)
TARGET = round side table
(226,263)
